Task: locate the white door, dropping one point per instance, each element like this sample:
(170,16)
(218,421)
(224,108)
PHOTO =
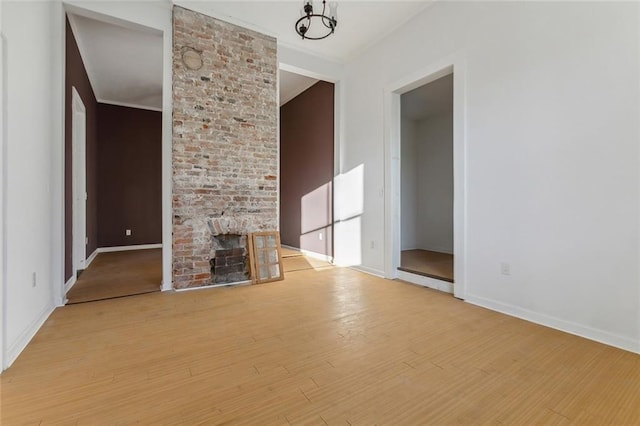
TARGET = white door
(79,183)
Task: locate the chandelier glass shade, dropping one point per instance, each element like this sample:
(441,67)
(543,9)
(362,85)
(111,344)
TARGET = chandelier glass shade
(316,26)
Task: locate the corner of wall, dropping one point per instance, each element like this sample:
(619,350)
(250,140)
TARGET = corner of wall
(25,337)
(580,330)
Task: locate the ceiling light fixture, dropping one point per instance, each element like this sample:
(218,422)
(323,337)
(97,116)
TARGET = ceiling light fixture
(322,29)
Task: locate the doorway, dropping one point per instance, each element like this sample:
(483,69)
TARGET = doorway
(426,162)
(307,143)
(425,182)
(114,141)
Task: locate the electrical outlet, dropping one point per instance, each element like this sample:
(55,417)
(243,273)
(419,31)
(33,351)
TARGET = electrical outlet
(505,268)
(127,232)
(34,279)
(372,244)
(320,236)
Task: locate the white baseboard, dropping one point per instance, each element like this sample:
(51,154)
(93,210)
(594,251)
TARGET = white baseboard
(125,248)
(164,287)
(202,287)
(311,254)
(70,283)
(90,258)
(318,256)
(438,249)
(367,270)
(15,349)
(433,283)
(601,336)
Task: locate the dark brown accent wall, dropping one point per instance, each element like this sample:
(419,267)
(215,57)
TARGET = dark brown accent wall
(76,76)
(306,170)
(129,176)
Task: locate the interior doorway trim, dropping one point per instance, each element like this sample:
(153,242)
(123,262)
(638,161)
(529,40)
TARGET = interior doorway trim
(338,96)
(79,182)
(392,122)
(127,15)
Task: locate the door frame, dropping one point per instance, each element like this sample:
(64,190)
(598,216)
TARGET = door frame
(78,182)
(335,79)
(119,13)
(392,132)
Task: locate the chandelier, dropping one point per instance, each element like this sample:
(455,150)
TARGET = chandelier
(323,26)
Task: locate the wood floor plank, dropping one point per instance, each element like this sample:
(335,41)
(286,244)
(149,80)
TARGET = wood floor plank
(118,274)
(329,346)
(429,263)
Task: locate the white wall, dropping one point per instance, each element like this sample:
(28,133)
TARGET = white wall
(435,182)
(29,143)
(409,186)
(552,159)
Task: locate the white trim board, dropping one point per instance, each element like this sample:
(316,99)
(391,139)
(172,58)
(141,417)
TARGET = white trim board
(203,287)
(311,254)
(366,270)
(3,203)
(128,105)
(25,337)
(318,256)
(127,248)
(601,336)
(91,258)
(70,283)
(428,282)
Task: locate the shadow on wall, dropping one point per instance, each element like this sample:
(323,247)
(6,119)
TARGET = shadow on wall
(349,199)
(315,220)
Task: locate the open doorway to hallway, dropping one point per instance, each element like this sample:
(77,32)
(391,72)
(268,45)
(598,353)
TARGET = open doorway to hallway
(114,68)
(426,161)
(306,170)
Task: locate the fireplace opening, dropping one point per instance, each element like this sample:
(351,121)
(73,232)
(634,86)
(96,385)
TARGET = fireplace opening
(229,259)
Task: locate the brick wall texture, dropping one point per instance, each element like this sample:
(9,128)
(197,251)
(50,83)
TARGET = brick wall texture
(225,149)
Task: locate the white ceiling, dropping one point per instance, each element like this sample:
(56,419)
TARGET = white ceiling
(124,64)
(360,23)
(291,85)
(428,100)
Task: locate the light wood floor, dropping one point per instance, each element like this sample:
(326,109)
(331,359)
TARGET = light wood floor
(333,346)
(294,260)
(119,274)
(428,263)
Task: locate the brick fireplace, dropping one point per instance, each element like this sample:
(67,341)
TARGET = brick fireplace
(225,152)
(229,259)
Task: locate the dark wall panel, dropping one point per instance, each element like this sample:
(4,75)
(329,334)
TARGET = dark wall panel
(76,76)
(129,176)
(306,169)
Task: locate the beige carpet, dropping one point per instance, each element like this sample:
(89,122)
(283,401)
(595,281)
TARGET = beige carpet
(119,274)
